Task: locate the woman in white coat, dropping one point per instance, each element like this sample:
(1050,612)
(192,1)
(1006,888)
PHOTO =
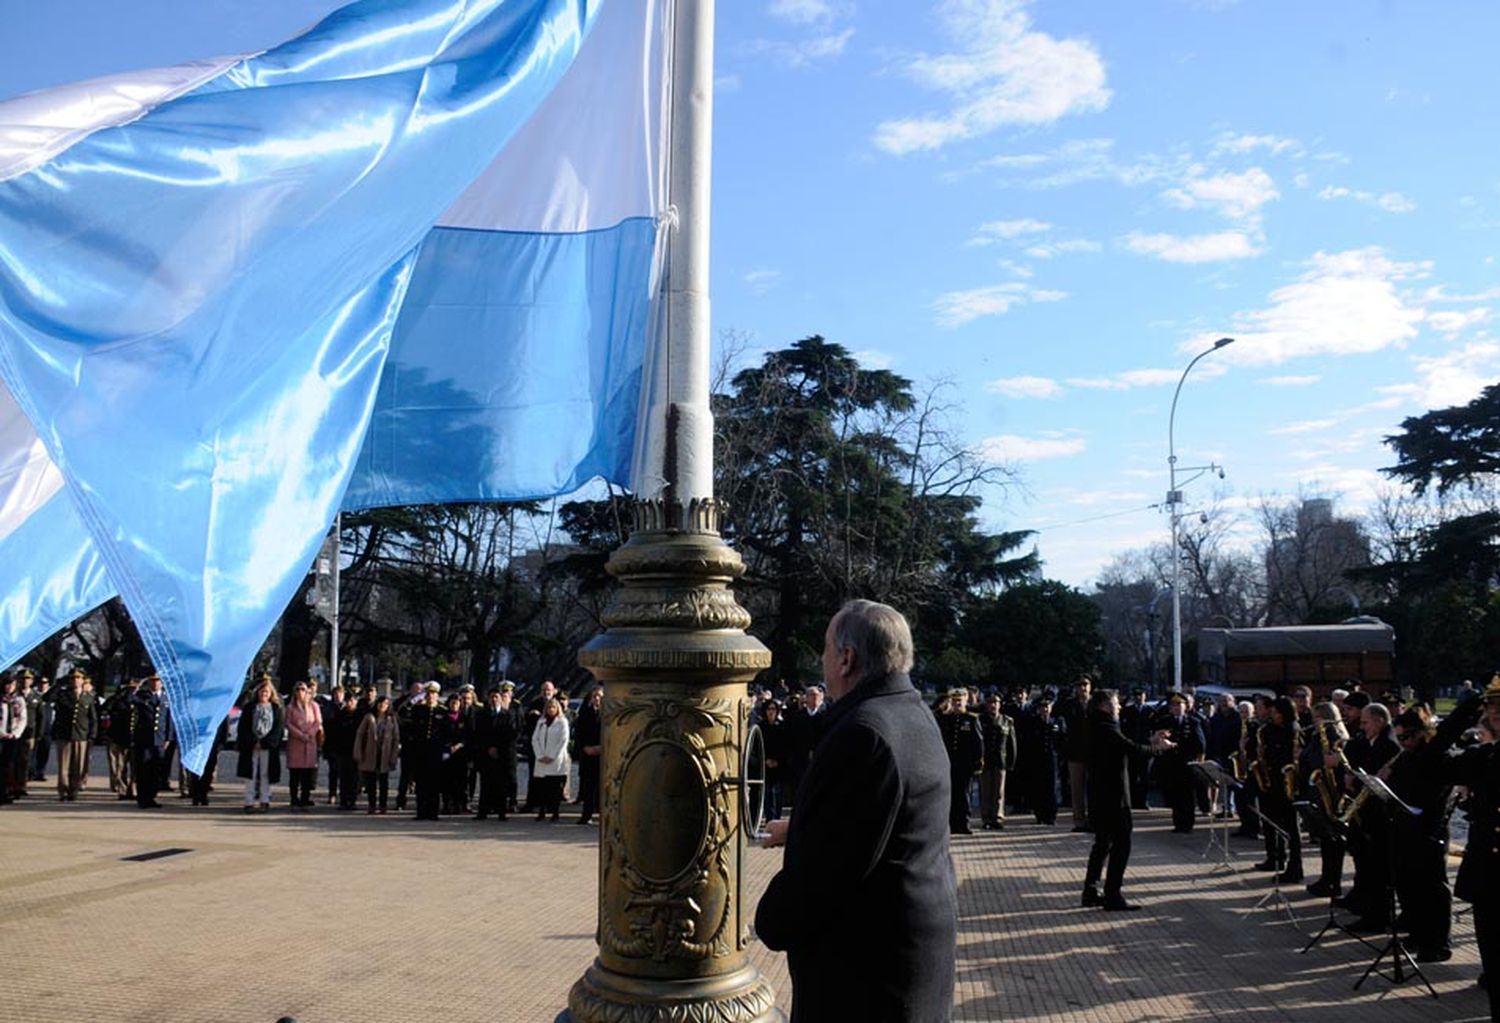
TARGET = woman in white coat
(549,742)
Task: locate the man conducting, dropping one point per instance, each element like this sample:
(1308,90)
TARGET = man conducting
(865,903)
(1109,798)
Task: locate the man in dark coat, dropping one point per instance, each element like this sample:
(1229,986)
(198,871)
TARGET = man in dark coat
(151,742)
(1137,722)
(1478,768)
(1177,779)
(865,903)
(1074,713)
(1109,799)
(965,745)
(588,735)
(495,741)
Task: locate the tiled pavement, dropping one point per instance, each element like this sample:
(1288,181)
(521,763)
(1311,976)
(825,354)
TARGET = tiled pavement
(333,917)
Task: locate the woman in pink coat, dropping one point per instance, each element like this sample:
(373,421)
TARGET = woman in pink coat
(304,734)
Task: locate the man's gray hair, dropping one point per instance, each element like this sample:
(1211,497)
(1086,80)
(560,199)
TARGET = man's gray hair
(1379,711)
(877,634)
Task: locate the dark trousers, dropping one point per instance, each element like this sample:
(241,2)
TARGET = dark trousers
(1487,937)
(545,795)
(377,783)
(426,779)
(1331,852)
(494,793)
(150,767)
(8,748)
(1177,786)
(344,780)
(1422,886)
(408,778)
(588,784)
(1140,782)
(333,779)
(958,808)
(1112,843)
(39,753)
(1371,853)
(1286,852)
(1247,804)
(302,785)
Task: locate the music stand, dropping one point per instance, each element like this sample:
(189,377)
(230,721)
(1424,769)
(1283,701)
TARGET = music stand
(1275,896)
(1325,829)
(1213,775)
(1395,810)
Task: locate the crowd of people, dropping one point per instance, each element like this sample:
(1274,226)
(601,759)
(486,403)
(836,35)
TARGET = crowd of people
(442,754)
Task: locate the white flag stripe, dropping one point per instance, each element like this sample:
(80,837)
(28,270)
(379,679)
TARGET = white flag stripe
(588,157)
(28,479)
(38,126)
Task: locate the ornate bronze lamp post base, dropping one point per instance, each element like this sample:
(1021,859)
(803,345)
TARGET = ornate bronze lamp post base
(674,661)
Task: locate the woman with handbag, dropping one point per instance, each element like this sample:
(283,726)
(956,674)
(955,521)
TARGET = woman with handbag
(304,725)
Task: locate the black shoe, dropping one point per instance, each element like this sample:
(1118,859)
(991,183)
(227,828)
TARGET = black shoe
(1289,877)
(1119,905)
(584,819)
(961,831)
(1267,867)
(1323,889)
(1081,829)
(1435,955)
(1091,897)
(480,816)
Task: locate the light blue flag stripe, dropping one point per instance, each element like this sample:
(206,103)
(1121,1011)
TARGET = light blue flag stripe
(547,344)
(59,577)
(196,307)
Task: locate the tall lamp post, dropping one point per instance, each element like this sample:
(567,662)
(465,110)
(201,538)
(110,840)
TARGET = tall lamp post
(1174,511)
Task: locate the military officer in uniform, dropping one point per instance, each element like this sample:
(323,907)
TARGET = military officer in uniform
(74,728)
(495,737)
(999,734)
(965,745)
(121,736)
(1186,733)
(428,739)
(151,742)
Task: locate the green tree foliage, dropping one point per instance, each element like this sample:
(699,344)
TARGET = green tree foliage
(841,483)
(1041,632)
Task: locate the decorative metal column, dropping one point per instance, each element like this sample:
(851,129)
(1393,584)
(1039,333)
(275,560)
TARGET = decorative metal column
(673,923)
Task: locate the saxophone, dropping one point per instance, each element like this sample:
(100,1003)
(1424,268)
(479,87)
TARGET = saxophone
(1327,778)
(1289,771)
(1258,765)
(1363,795)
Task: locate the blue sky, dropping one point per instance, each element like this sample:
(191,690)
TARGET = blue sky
(1053,206)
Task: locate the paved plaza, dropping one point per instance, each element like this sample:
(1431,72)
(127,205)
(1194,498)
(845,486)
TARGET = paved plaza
(335,918)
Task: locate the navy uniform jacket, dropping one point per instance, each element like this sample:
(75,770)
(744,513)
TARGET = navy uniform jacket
(865,903)
(963,740)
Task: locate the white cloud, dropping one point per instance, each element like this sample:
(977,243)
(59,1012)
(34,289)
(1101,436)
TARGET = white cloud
(1090,498)
(1133,378)
(1025,387)
(1003,72)
(1455,378)
(1345,303)
(1305,426)
(1292,381)
(761,281)
(1049,250)
(956,308)
(1005,230)
(1453,322)
(1229,142)
(1201,248)
(727,83)
(1391,202)
(1012,448)
(869,358)
(804,52)
(1236,196)
(1075,161)
(805,12)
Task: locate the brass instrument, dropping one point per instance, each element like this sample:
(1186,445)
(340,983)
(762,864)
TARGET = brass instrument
(1326,778)
(1289,771)
(1358,802)
(1237,765)
(1258,765)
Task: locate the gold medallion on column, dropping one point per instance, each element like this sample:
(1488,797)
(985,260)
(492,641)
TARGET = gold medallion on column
(674,662)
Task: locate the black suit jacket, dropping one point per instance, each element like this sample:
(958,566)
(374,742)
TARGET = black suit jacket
(865,903)
(1109,771)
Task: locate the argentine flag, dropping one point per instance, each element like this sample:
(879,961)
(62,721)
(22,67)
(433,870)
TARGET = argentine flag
(407,256)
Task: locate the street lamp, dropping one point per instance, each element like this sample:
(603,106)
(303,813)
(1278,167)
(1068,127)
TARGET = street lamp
(1174,511)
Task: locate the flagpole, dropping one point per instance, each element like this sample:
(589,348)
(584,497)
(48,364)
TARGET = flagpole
(333,639)
(675,660)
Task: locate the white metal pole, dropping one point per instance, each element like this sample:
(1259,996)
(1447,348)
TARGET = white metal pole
(333,641)
(679,421)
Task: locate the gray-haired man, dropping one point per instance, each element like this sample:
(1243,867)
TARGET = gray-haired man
(865,904)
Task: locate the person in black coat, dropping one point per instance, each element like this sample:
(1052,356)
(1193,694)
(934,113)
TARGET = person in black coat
(339,725)
(1109,799)
(588,735)
(151,742)
(258,738)
(496,727)
(425,733)
(1137,723)
(1177,781)
(1478,769)
(964,741)
(865,903)
(773,732)
(1041,740)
